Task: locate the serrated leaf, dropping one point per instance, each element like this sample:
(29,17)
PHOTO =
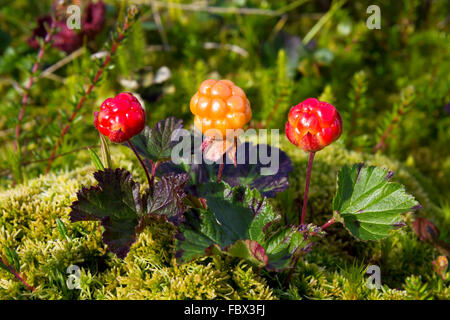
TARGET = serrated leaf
(117,202)
(235,223)
(156,143)
(167,198)
(249,250)
(369,204)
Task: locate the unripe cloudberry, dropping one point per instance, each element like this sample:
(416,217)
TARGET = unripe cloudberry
(120,118)
(313,124)
(220,105)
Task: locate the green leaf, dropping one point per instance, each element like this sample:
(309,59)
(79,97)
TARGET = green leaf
(156,143)
(167,198)
(96,160)
(117,202)
(106,154)
(12,258)
(237,222)
(62,229)
(368,203)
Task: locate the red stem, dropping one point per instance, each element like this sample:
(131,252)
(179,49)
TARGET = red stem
(219,174)
(381,143)
(150,180)
(308,178)
(30,82)
(154,167)
(88,91)
(18,277)
(327,224)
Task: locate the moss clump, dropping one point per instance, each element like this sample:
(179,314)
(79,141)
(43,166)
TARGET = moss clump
(334,270)
(28,216)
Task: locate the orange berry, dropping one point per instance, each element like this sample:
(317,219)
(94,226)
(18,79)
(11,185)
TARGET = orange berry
(221,90)
(236,103)
(205,87)
(203,106)
(220,105)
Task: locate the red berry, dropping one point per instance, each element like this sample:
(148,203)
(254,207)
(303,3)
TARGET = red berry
(313,124)
(120,118)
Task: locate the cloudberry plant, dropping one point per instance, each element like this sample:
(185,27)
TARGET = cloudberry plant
(121,118)
(231,217)
(312,125)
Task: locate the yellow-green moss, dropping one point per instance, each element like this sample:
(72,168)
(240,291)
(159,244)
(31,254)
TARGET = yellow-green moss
(29,211)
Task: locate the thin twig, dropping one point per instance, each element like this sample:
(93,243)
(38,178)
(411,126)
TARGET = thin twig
(219,174)
(150,180)
(19,277)
(159,25)
(381,143)
(40,55)
(61,63)
(308,178)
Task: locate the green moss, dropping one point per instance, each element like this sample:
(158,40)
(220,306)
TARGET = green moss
(334,270)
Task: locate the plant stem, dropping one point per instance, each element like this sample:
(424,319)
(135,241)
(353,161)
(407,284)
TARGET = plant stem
(327,224)
(24,101)
(150,180)
(18,277)
(308,178)
(154,167)
(291,271)
(219,174)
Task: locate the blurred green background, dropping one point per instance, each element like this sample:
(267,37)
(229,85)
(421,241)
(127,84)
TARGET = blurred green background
(394,79)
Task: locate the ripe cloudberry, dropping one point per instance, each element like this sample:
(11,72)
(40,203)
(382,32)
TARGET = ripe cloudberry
(120,118)
(220,105)
(313,124)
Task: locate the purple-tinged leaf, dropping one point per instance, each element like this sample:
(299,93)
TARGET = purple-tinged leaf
(156,143)
(117,203)
(167,198)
